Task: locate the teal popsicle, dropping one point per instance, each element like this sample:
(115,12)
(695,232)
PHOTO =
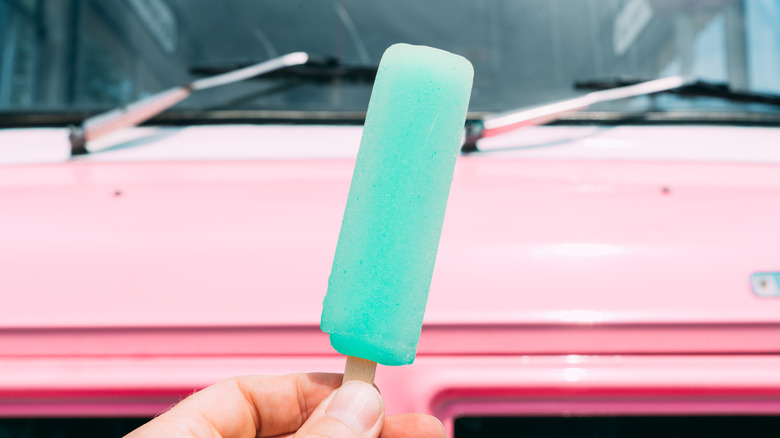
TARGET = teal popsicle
(378,286)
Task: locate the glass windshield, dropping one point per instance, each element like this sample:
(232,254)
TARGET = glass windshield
(96,54)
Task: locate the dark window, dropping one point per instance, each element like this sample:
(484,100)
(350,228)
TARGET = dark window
(619,427)
(68,427)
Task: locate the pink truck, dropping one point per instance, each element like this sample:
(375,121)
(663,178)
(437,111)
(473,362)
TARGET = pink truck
(607,272)
(607,277)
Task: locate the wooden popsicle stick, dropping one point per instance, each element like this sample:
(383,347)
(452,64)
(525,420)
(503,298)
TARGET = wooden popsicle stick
(359,369)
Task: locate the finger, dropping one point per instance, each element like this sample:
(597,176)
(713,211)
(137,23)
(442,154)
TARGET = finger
(244,407)
(406,426)
(286,408)
(413,426)
(355,410)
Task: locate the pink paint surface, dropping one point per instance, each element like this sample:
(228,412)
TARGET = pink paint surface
(447,386)
(250,243)
(606,273)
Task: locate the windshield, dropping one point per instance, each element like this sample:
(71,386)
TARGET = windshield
(91,55)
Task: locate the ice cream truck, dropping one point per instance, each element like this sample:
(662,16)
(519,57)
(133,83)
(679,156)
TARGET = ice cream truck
(173,180)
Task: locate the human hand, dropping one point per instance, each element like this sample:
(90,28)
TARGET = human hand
(297,405)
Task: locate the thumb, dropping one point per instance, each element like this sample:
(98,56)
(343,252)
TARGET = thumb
(355,410)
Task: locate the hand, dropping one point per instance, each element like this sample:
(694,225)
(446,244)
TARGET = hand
(298,405)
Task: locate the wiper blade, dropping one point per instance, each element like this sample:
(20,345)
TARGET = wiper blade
(321,68)
(137,112)
(497,124)
(693,88)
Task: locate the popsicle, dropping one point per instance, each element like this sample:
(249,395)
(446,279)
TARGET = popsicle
(382,269)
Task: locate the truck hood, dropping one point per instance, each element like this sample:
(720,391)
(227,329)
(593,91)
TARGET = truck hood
(611,247)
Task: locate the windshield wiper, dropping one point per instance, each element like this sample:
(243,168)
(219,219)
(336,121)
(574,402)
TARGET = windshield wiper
(501,123)
(692,88)
(137,112)
(608,90)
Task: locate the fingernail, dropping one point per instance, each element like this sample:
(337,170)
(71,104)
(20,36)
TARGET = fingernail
(356,404)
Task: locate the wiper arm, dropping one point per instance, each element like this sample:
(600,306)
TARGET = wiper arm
(148,107)
(501,123)
(607,90)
